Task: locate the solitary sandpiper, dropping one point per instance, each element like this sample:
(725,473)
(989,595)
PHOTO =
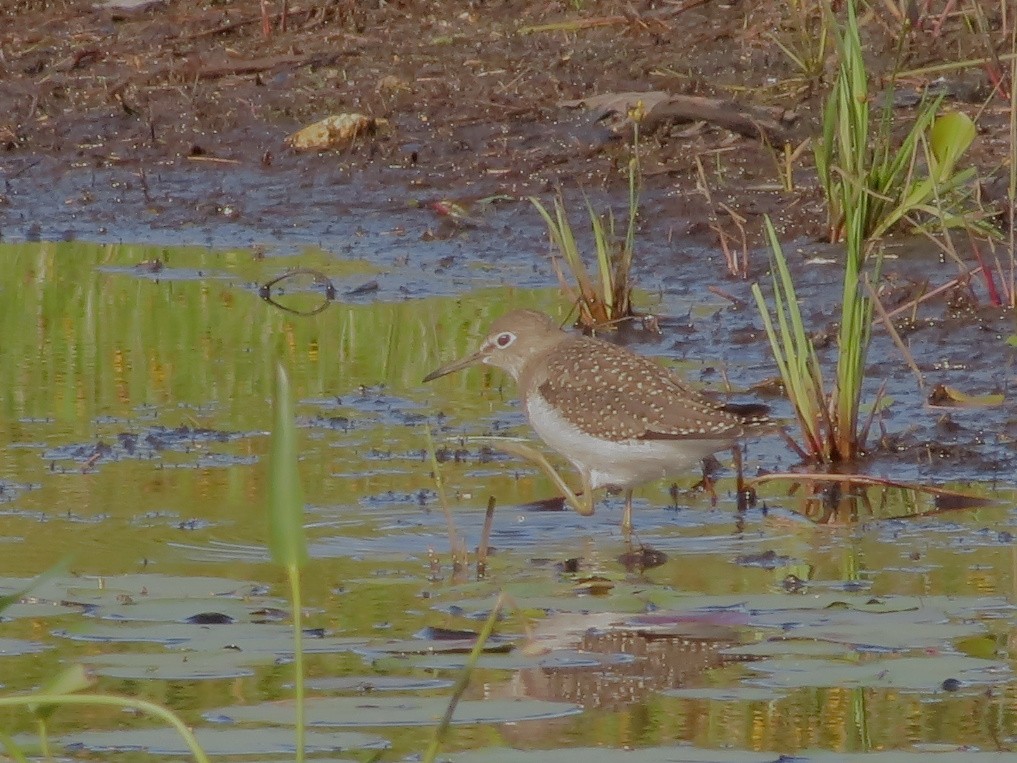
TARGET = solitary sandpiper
(620,418)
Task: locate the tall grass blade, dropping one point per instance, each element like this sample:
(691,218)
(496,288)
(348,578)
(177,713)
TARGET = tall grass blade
(132,704)
(604,297)
(563,238)
(13,750)
(68,681)
(286,528)
(285,495)
(463,682)
(793,351)
(602,243)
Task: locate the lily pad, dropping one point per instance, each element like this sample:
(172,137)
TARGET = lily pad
(439,646)
(395,711)
(178,666)
(794,646)
(677,754)
(726,694)
(195,610)
(10,647)
(265,638)
(99,590)
(907,629)
(219,741)
(377,683)
(519,660)
(143,633)
(561,596)
(780,602)
(37,609)
(917,673)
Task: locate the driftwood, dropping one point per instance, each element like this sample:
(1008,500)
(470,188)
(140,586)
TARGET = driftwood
(660,108)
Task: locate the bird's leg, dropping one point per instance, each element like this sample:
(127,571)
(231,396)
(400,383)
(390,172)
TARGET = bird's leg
(627,515)
(587,508)
(583,506)
(707,483)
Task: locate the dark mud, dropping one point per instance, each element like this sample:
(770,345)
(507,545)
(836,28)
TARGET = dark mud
(134,125)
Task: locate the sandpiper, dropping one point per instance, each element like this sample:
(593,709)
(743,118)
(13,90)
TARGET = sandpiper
(618,417)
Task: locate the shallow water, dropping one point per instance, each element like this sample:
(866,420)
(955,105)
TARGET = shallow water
(135,411)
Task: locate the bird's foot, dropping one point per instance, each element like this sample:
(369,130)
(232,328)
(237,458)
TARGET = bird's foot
(583,506)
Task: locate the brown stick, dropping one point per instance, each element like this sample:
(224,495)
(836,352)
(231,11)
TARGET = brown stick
(485,537)
(730,115)
(892,331)
(929,294)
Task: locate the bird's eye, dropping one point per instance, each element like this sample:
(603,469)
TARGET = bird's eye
(504,339)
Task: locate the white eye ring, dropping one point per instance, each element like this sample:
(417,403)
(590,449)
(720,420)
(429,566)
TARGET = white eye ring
(504,339)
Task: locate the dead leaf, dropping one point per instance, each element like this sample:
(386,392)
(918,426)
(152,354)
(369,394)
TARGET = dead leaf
(335,132)
(951,397)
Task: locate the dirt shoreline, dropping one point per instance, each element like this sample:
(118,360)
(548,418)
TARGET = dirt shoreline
(198,93)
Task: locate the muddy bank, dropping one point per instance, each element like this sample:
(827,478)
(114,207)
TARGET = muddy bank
(169,121)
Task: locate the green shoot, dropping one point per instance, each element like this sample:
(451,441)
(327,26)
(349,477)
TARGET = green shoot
(859,168)
(605,298)
(460,555)
(806,40)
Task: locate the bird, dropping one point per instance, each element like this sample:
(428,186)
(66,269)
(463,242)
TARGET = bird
(620,418)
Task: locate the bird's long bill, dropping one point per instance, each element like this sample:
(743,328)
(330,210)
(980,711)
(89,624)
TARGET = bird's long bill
(455,365)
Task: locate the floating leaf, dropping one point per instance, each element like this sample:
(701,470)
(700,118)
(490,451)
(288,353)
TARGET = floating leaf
(179,666)
(192,611)
(917,673)
(370,683)
(439,646)
(794,646)
(674,754)
(260,638)
(395,711)
(945,396)
(220,741)
(14,646)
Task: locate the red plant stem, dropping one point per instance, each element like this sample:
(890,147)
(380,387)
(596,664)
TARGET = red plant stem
(990,283)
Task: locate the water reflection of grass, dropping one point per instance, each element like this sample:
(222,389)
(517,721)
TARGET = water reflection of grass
(94,348)
(81,340)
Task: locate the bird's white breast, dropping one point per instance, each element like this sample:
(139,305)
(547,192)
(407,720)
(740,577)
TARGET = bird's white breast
(622,464)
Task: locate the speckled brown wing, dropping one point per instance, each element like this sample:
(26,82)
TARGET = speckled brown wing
(612,393)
